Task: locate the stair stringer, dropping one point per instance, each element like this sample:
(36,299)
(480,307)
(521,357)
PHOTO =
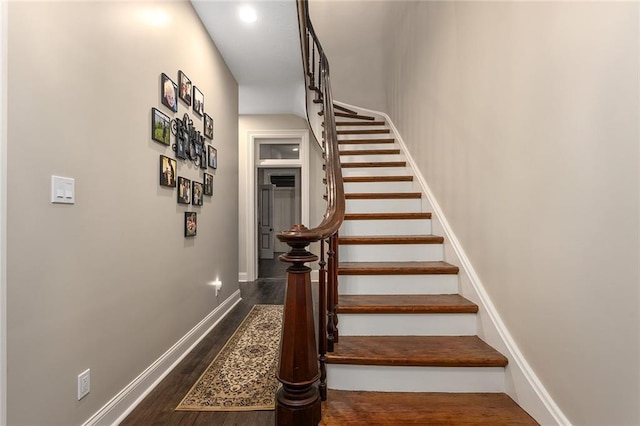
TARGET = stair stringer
(521,382)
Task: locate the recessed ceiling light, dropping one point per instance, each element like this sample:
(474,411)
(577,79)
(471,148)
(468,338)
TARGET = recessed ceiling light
(248,14)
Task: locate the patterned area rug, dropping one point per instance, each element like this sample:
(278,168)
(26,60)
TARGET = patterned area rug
(242,377)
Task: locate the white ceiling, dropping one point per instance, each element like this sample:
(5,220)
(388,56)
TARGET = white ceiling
(263,56)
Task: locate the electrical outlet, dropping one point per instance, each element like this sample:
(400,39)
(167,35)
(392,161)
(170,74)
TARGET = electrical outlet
(84,384)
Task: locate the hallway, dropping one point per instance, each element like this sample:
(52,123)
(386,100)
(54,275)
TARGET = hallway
(158,407)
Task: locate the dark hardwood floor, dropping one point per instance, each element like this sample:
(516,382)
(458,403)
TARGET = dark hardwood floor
(271,269)
(158,407)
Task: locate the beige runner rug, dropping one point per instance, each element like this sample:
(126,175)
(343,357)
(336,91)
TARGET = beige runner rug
(242,377)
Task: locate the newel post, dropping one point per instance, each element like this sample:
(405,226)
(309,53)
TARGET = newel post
(298,401)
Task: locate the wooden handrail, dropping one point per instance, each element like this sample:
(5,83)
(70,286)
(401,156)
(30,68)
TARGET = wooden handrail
(298,400)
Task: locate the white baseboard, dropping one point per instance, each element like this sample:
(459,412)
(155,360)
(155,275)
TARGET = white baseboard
(128,398)
(522,384)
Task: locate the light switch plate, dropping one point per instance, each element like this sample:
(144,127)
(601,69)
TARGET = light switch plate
(63,190)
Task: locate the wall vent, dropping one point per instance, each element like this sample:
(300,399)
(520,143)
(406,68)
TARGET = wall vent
(284,181)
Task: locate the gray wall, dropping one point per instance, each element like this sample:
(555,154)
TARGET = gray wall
(523,118)
(109,283)
(353,34)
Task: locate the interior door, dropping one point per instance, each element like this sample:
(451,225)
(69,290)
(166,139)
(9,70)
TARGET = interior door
(266,236)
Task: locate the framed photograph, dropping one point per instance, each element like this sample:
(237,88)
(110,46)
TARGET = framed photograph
(197,193)
(169,93)
(160,127)
(168,167)
(184,190)
(190,224)
(185,87)
(213,157)
(208,184)
(181,148)
(203,158)
(208,126)
(198,101)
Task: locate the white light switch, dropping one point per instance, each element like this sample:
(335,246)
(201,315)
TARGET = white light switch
(63,190)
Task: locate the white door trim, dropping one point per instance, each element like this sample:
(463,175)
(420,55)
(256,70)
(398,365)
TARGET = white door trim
(251,195)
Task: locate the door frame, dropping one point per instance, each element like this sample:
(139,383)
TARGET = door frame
(253,162)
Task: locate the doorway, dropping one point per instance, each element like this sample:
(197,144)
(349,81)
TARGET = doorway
(279,207)
(274,155)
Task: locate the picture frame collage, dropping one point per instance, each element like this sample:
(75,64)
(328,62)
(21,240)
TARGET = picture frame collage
(189,144)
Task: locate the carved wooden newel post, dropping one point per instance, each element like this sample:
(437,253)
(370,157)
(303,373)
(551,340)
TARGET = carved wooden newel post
(298,401)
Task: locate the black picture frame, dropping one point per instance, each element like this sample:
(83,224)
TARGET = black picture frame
(198,101)
(169,93)
(208,184)
(181,148)
(208,126)
(168,168)
(190,224)
(185,86)
(184,190)
(203,158)
(160,127)
(213,157)
(197,193)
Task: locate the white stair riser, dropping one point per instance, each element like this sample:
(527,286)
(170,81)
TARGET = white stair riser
(364,146)
(407,324)
(398,284)
(375,171)
(370,158)
(410,205)
(367,127)
(364,136)
(390,252)
(385,227)
(350,187)
(415,379)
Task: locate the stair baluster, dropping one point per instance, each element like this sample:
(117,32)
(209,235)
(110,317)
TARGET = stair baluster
(330,296)
(322,322)
(333,301)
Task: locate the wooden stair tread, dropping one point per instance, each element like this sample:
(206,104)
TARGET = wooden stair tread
(415,408)
(432,351)
(375,164)
(350,115)
(360,123)
(370,152)
(364,141)
(382,195)
(344,110)
(360,179)
(384,216)
(363,132)
(397,268)
(391,239)
(413,304)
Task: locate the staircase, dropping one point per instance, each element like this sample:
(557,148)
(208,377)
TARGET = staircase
(407,351)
